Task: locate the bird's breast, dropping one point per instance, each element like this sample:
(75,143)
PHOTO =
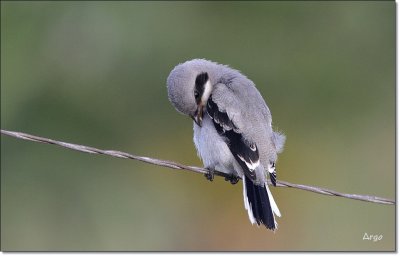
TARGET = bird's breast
(211,147)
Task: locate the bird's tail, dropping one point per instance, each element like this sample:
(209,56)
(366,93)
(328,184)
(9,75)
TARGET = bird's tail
(260,204)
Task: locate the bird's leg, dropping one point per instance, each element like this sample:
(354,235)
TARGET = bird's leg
(210,174)
(233,179)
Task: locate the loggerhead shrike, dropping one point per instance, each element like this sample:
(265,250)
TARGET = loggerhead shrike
(232,130)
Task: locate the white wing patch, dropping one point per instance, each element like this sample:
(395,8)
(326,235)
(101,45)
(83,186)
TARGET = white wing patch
(252,166)
(271,167)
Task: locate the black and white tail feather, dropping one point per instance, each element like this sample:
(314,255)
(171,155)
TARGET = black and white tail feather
(258,200)
(260,204)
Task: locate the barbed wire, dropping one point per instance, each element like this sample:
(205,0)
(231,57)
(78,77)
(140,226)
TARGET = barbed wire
(178,166)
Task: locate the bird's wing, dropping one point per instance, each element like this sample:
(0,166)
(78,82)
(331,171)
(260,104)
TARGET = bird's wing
(226,111)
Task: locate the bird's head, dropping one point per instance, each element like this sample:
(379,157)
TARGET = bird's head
(190,85)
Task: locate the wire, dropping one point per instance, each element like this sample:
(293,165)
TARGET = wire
(178,166)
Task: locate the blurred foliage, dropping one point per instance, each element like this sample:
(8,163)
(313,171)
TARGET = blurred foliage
(94,73)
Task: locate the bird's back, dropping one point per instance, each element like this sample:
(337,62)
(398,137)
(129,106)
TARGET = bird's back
(252,115)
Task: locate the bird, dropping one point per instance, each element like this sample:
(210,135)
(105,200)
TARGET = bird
(232,130)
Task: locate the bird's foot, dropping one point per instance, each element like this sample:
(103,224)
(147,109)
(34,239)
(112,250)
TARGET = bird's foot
(209,175)
(233,179)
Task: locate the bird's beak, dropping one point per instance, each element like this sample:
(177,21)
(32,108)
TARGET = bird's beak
(198,115)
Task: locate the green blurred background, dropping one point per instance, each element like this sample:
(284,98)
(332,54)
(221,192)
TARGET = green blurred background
(94,73)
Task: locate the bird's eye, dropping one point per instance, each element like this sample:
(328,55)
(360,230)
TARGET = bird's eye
(196,94)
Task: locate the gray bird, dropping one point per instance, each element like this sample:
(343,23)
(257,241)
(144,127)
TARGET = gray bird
(232,130)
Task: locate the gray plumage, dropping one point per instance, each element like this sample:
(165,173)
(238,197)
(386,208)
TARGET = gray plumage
(232,130)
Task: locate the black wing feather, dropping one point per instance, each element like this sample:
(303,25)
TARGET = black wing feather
(243,151)
(272,176)
(272,173)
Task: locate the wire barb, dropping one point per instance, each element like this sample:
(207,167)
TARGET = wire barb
(178,166)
